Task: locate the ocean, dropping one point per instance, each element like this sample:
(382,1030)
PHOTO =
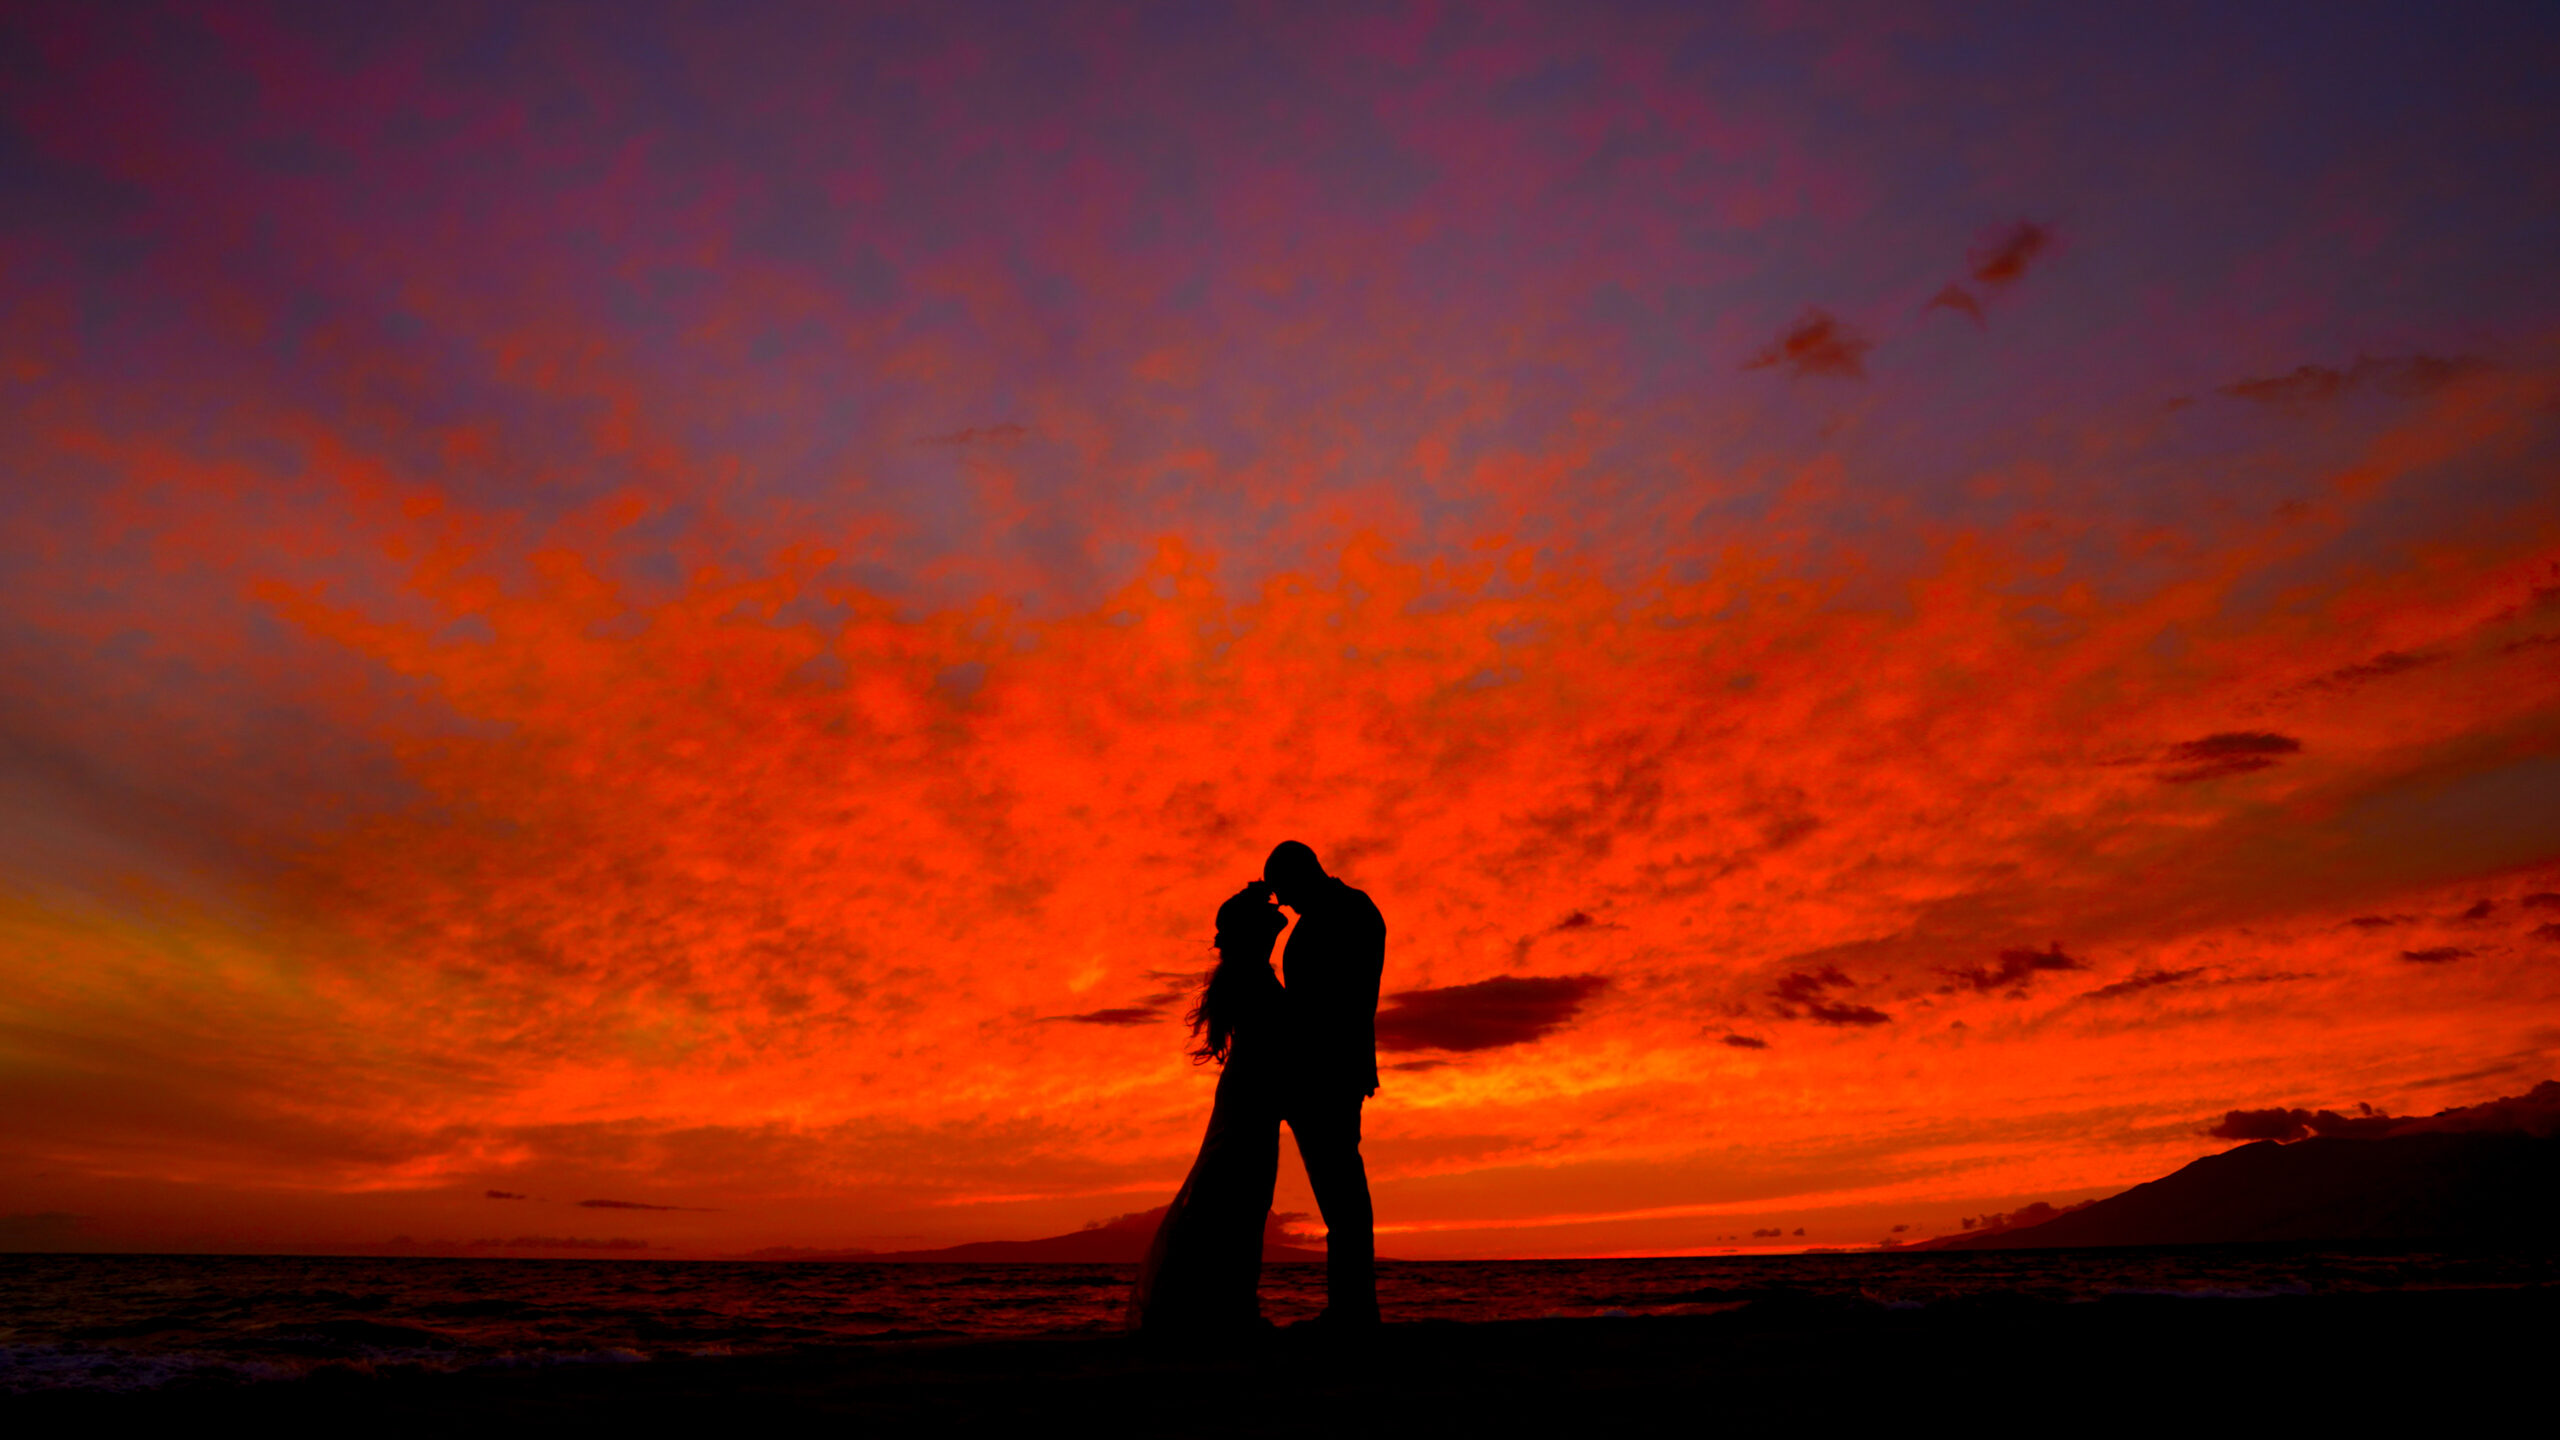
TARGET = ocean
(146,1322)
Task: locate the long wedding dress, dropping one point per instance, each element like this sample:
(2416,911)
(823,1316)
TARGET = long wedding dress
(1203,1270)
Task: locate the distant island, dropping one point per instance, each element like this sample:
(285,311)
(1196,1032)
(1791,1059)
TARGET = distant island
(1119,1241)
(2485,1174)
(2479,1175)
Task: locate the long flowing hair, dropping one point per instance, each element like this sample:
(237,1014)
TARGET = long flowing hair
(1247,924)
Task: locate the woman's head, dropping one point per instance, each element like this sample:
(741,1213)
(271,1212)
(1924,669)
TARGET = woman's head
(1247,924)
(1249,919)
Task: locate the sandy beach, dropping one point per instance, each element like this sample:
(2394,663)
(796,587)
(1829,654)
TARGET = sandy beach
(2453,1351)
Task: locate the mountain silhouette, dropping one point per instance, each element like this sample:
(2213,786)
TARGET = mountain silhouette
(2440,1186)
(1120,1241)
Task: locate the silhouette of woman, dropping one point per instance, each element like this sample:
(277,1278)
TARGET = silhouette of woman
(1204,1268)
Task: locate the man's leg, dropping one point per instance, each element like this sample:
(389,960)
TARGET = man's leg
(1328,1132)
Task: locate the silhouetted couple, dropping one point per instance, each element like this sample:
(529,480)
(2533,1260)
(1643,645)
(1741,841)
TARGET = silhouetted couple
(1305,1053)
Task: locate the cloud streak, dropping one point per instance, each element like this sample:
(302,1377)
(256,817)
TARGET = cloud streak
(1485,1014)
(2226,753)
(2405,376)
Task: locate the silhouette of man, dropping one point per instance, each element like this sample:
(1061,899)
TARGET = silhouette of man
(1331,968)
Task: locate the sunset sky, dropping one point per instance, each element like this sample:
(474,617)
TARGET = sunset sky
(695,607)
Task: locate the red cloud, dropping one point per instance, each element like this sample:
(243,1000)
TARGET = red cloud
(2005,259)
(1817,344)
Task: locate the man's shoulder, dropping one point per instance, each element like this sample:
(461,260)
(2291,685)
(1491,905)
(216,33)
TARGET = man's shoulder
(1357,906)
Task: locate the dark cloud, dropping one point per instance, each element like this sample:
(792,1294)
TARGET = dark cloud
(990,435)
(502,1195)
(2436,956)
(2545,932)
(1179,988)
(37,1229)
(1746,1042)
(1123,1015)
(1144,1222)
(2536,1112)
(2142,980)
(1801,996)
(1420,1065)
(2365,1123)
(1958,299)
(2025,1215)
(1506,1010)
(2228,752)
(1846,1015)
(1817,344)
(1279,1227)
(2380,667)
(1769,1233)
(2259,1125)
(2015,969)
(2405,375)
(2480,910)
(2541,900)
(2379,922)
(2284,1125)
(2007,257)
(633,1205)
(1578,920)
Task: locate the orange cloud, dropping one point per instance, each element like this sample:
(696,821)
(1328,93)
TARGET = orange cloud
(395,837)
(662,900)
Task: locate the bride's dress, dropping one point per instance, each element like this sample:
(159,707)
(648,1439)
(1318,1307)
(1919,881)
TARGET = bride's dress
(1204,1268)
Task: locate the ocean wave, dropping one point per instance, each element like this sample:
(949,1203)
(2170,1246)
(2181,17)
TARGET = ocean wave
(145,1322)
(28,1368)
(2208,1292)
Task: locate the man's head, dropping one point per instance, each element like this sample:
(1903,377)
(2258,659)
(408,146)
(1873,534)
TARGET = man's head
(1292,873)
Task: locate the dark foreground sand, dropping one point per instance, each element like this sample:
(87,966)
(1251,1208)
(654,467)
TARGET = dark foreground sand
(2416,1360)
